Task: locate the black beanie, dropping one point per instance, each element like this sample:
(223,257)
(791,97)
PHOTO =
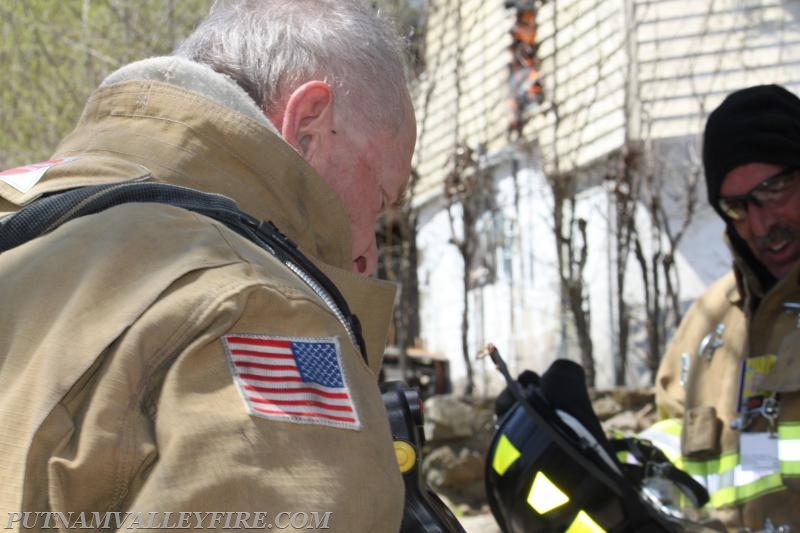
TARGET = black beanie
(759,124)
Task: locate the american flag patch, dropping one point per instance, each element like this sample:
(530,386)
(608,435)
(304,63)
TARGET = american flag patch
(295,380)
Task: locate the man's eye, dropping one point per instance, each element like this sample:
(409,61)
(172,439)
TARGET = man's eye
(778,185)
(740,206)
(734,209)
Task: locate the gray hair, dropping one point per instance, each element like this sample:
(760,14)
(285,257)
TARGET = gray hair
(270,47)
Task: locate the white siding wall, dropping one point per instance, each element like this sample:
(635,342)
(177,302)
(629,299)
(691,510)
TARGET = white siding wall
(472,107)
(692,53)
(611,70)
(584,68)
(677,59)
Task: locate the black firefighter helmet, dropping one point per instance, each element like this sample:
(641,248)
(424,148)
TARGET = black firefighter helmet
(550,467)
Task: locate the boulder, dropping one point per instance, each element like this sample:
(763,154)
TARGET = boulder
(456,473)
(453,467)
(447,418)
(605,407)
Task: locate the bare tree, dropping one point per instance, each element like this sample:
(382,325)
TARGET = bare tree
(55,53)
(625,192)
(469,194)
(569,230)
(659,270)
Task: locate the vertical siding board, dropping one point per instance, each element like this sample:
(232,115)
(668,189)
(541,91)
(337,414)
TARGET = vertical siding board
(583,61)
(478,113)
(693,53)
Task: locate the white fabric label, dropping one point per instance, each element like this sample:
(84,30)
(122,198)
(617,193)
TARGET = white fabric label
(759,451)
(24,178)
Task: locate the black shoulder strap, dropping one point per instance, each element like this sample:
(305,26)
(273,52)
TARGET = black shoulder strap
(48,213)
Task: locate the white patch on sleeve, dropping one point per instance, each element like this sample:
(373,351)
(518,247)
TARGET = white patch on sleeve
(24,178)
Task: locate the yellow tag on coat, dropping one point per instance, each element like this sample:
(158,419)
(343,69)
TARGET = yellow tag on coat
(751,390)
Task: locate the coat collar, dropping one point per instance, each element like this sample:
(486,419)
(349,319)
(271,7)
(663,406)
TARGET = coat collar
(201,130)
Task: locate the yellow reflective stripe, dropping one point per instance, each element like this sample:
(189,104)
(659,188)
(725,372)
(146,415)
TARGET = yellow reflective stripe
(622,456)
(728,482)
(711,466)
(545,495)
(725,479)
(731,495)
(790,468)
(505,454)
(670,426)
(666,436)
(789,430)
(789,448)
(583,523)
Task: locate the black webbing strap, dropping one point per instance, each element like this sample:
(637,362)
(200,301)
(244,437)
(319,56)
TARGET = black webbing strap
(654,463)
(48,213)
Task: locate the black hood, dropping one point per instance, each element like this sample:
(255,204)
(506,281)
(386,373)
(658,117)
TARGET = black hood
(759,124)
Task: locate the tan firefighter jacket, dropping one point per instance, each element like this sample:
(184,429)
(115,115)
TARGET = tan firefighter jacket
(715,387)
(154,361)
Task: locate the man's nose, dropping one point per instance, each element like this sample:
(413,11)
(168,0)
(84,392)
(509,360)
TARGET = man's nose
(760,219)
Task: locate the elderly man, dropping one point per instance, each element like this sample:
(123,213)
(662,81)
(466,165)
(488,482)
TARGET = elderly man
(731,376)
(169,350)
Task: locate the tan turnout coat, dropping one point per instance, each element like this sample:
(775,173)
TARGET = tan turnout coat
(706,402)
(116,394)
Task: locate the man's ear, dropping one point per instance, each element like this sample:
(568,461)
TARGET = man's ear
(308,116)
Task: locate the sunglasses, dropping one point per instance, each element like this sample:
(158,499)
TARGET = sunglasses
(772,192)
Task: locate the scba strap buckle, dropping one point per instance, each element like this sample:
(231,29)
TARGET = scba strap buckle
(423,510)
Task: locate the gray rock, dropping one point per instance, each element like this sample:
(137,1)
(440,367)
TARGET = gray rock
(605,407)
(447,418)
(453,467)
(625,422)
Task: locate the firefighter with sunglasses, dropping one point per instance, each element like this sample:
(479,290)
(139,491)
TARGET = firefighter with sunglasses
(728,388)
